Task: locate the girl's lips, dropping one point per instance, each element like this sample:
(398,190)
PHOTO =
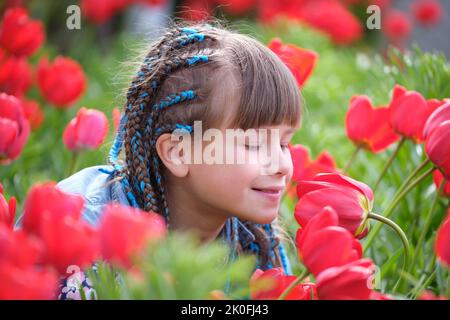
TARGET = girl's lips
(270,194)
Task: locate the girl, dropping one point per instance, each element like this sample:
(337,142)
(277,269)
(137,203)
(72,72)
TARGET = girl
(226,80)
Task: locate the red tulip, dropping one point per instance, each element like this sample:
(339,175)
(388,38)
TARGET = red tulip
(375,295)
(7,209)
(268,11)
(152,2)
(19,249)
(332,18)
(442,245)
(437,147)
(61,82)
(300,61)
(352,200)
(100,11)
(47,198)
(396,25)
(348,282)
(19,34)
(305,168)
(367,127)
(429,295)
(437,178)
(322,244)
(439,115)
(21,275)
(427,12)
(15,74)
(14,128)
(27,284)
(33,112)
(79,135)
(383,4)
(409,112)
(124,231)
(196,10)
(237,7)
(52,215)
(270,284)
(68,242)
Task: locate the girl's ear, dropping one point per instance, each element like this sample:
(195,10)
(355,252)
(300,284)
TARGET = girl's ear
(171,154)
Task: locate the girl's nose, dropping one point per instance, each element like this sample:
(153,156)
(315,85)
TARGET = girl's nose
(280,163)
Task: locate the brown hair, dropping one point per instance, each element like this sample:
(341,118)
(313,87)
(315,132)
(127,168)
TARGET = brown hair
(199,72)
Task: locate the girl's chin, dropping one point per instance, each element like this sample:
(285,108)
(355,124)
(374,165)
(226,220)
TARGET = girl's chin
(263,218)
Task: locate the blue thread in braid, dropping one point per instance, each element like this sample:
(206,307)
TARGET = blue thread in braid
(236,231)
(255,249)
(174,98)
(228,240)
(177,126)
(129,193)
(228,231)
(193,60)
(189,38)
(284,260)
(161,187)
(268,229)
(188,30)
(184,127)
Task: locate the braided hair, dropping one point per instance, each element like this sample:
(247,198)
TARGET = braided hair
(170,91)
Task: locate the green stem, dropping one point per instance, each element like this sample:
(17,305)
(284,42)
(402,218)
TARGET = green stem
(429,220)
(388,212)
(72,164)
(351,160)
(399,232)
(388,163)
(448,285)
(420,287)
(411,176)
(425,284)
(299,279)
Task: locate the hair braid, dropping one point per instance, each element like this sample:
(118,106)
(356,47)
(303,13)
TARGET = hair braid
(144,167)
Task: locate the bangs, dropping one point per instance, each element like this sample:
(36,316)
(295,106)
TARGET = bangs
(269,94)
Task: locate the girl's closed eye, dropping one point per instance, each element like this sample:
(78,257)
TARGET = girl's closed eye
(252,146)
(284,146)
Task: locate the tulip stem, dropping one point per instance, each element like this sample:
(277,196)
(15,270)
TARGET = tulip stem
(73,164)
(388,163)
(418,289)
(299,279)
(404,189)
(351,160)
(448,285)
(399,232)
(428,222)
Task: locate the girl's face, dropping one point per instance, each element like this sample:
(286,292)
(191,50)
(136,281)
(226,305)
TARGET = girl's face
(250,189)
